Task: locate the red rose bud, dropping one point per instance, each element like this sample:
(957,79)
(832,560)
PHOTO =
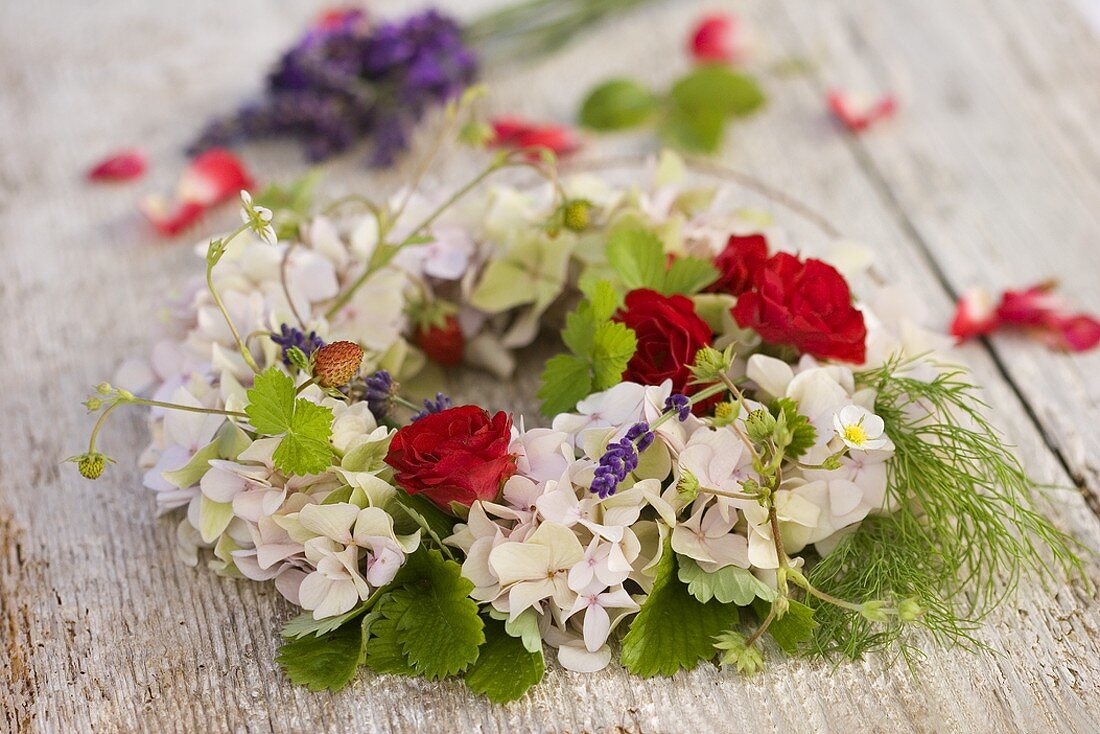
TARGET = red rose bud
(856,115)
(806,305)
(717,38)
(457,456)
(336,364)
(669,333)
(122,166)
(739,263)
(443,344)
(518,134)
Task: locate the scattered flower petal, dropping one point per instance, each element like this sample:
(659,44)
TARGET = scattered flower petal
(1037,309)
(975,314)
(857,114)
(170,219)
(214,176)
(125,165)
(519,134)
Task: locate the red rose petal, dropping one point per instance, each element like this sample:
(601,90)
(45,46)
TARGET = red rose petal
(1078,333)
(975,315)
(214,176)
(171,219)
(858,117)
(717,39)
(1032,306)
(125,165)
(519,134)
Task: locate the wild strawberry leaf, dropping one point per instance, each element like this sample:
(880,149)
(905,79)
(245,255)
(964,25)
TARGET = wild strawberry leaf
(305,426)
(504,668)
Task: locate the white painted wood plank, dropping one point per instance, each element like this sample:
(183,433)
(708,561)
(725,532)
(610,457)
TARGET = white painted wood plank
(103,630)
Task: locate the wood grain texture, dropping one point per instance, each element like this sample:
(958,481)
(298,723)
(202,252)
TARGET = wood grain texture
(990,175)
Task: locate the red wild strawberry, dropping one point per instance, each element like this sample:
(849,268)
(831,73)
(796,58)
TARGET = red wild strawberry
(336,364)
(442,343)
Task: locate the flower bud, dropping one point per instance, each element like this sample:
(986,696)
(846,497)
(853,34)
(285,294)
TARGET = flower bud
(93,404)
(576,215)
(687,489)
(104,388)
(832,462)
(759,425)
(910,610)
(873,610)
(710,365)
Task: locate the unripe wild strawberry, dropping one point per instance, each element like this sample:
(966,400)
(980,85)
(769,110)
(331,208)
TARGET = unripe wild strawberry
(336,364)
(576,216)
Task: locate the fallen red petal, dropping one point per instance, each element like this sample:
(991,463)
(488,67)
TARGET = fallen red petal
(214,176)
(1078,333)
(1034,306)
(717,38)
(170,220)
(519,134)
(858,117)
(975,315)
(125,165)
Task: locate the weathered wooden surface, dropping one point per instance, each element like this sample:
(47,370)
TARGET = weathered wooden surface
(991,175)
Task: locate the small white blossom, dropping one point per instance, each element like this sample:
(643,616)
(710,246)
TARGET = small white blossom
(258,219)
(861,429)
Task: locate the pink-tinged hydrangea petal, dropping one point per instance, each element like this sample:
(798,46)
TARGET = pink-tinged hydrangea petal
(124,165)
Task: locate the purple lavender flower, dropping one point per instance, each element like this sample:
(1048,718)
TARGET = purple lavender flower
(379,393)
(441,403)
(289,337)
(344,82)
(620,458)
(679,403)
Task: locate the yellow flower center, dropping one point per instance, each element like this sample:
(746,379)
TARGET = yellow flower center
(855,434)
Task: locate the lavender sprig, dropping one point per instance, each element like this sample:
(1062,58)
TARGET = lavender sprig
(438,405)
(290,337)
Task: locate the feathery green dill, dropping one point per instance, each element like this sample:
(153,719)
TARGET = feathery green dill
(966,531)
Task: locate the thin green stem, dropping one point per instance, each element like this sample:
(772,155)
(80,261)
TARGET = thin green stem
(185,408)
(210,263)
(99,425)
(306,384)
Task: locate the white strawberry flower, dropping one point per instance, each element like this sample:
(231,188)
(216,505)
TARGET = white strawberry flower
(861,429)
(258,218)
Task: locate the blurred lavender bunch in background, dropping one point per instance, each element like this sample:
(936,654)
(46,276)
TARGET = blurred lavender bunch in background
(346,81)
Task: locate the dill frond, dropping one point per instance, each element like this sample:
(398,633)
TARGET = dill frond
(966,532)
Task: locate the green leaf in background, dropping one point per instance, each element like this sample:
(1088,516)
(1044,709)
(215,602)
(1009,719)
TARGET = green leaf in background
(701,103)
(566,380)
(504,668)
(728,585)
(793,628)
(432,520)
(688,275)
(618,104)
(273,410)
(328,661)
(674,630)
(638,257)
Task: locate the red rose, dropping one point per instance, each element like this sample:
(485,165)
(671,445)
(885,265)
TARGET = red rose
(804,304)
(739,263)
(459,455)
(669,333)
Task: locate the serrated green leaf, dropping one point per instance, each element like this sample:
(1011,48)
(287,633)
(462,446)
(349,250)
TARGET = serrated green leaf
(603,300)
(728,585)
(435,622)
(803,433)
(304,624)
(612,347)
(271,402)
(688,275)
(618,104)
(638,257)
(580,328)
(674,630)
(504,669)
(325,662)
(305,426)
(383,652)
(566,380)
(793,628)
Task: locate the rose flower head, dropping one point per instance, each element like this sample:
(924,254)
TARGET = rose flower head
(669,333)
(805,304)
(738,264)
(454,457)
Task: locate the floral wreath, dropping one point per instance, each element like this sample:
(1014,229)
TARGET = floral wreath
(737,450)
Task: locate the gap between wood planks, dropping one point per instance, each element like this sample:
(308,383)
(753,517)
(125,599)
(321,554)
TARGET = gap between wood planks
(878,181)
